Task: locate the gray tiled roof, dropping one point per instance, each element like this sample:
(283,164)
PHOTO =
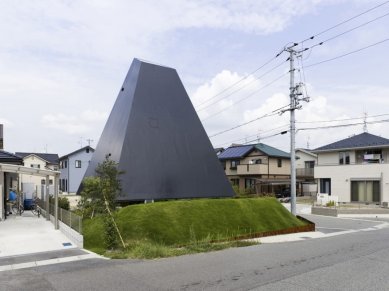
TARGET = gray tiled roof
(51,158)
(362,140)
(77,151)
(272,152)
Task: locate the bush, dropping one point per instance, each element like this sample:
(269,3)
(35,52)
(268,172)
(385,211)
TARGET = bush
(63,202)
(110,235)
(330,203)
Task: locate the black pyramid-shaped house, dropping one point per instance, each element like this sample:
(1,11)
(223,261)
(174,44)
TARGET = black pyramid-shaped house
(155,135)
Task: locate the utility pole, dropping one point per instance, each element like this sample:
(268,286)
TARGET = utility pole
(294,93)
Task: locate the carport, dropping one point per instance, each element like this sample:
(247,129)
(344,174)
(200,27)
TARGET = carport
(17,169)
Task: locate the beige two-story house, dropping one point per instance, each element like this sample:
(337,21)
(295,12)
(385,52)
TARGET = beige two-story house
(256,167)
(32,184)
(355,169)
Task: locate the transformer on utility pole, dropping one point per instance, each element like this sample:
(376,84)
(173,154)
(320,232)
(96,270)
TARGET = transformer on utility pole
(294,94)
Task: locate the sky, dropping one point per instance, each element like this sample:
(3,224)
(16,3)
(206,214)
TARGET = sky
(62,64)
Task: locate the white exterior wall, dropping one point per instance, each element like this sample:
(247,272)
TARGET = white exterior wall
(36,180)
(303,157)
(342,175)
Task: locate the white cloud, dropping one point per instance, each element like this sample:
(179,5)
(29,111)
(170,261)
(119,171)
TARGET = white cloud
(321,108)
(96,29)
(90,115)
(73,124)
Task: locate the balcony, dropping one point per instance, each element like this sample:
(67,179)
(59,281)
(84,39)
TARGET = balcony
(254,169)
(305,172)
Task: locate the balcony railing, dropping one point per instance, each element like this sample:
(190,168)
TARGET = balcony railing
(253,169)
(306,172)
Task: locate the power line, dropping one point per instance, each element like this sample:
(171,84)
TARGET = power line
(343,125)
(345,21)
(345,119)
(250,136)
(245,98)
(269,136)
(239,81)
(240,88)
(243,124)
(349,30)
(346,54)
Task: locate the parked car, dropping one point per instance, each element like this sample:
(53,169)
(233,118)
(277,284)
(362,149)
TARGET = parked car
(283,193)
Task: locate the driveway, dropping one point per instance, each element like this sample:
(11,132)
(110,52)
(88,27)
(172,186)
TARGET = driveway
(27,241)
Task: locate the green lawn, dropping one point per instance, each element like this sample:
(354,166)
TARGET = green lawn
(177,224)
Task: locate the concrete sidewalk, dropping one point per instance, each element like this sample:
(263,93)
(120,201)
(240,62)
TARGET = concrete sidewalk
(377,222)
(28,234)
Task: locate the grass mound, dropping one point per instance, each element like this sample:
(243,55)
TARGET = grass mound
(191,223)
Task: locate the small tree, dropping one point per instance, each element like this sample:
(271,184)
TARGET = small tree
(99,195)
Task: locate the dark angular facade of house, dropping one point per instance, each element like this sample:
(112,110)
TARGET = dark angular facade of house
(157,139)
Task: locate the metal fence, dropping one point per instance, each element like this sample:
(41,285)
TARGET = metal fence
(69,218)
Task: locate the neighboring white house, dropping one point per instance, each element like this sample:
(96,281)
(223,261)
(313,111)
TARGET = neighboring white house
(73,167)
(32,183)
(305,163)
(355,169)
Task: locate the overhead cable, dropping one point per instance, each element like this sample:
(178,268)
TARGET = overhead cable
(237,82)
(346,54)
(345,21)
(245,98)
(240,88)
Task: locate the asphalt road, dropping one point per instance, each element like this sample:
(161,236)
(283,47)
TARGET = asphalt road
(354,261)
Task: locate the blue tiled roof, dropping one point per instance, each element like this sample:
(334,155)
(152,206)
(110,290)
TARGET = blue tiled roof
(272,152)
(357,141)
(236,152)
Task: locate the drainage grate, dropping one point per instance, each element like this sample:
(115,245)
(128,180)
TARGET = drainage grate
(67,244)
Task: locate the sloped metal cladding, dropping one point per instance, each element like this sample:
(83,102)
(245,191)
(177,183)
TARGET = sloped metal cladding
(155,135)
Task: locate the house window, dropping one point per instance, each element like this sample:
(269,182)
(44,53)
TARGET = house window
(50,182)
(365,191)
(325,186)
(309,164)
(234,164)
(249,183)
(65,164)
(279,163)
(43,182)
(344,158)
(258,161)
(36,166)
(235,182)
(87,150)
(78,164)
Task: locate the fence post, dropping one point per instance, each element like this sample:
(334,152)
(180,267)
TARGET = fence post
(70,213)
(80,225)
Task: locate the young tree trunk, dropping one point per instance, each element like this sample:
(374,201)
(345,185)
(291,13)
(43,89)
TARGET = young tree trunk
(113,220)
